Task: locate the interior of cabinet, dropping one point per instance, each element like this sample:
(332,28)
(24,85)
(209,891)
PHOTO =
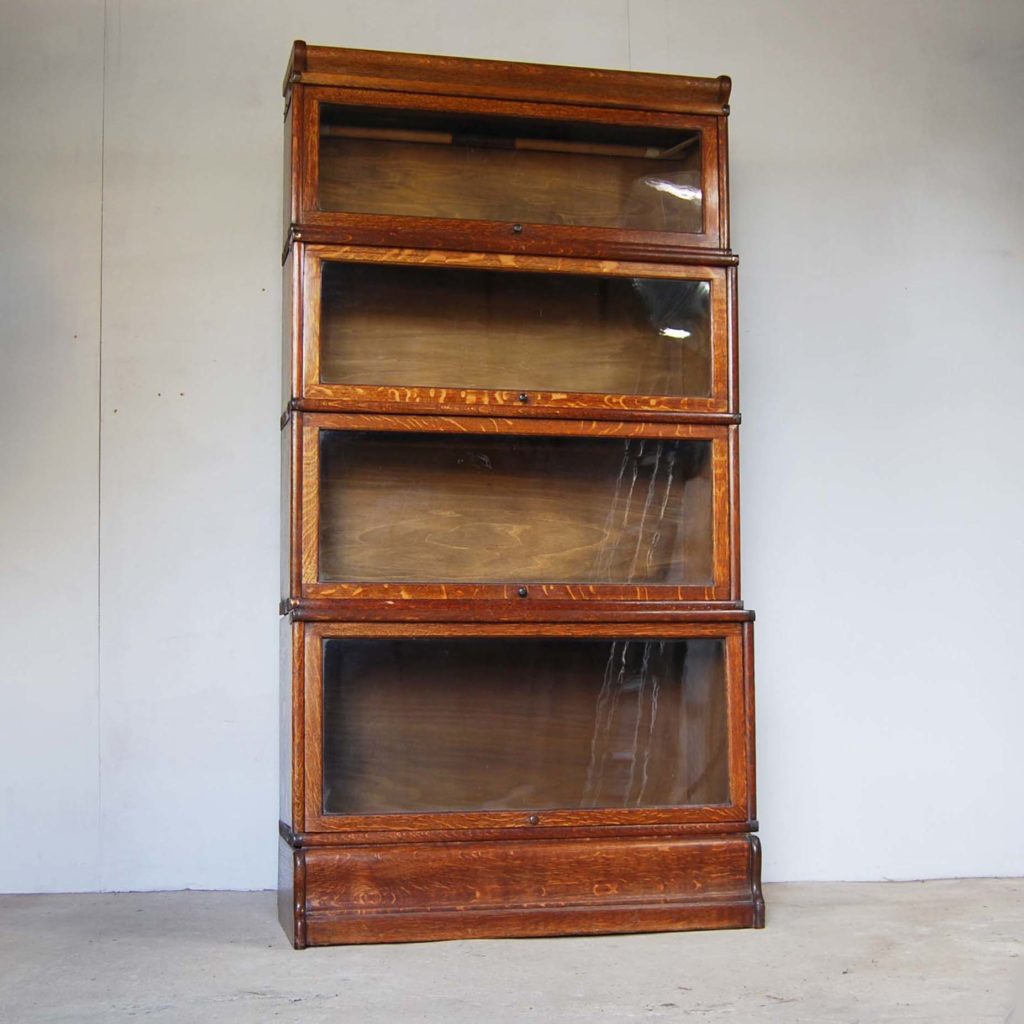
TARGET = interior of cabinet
(392,324)
(507,169)
(495,724)
(397,507)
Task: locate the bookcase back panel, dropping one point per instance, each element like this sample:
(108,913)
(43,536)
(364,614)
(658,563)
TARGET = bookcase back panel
(398,507)
(506,724)
(510,169)
(438,327)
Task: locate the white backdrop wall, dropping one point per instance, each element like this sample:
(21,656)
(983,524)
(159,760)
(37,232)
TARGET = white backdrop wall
(877,151)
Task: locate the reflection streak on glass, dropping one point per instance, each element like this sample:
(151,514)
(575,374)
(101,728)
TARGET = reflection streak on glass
(504,509)
(520,170)
(478,724)
(448,327)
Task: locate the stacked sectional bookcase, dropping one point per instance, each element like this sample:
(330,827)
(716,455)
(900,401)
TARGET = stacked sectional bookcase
(517,677)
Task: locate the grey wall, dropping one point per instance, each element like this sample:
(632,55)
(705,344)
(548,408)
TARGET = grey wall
(878,209)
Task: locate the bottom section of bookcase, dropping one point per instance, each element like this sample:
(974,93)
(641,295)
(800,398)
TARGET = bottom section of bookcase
(414,892)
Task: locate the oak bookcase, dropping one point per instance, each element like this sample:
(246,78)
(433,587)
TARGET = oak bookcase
(517,682)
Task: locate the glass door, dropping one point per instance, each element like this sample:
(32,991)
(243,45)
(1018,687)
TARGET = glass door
(526,509)
(536,728)
(518,176)
(482,332)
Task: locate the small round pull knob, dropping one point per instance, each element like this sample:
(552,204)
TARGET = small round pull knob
(517,229)
(533,819)
(522,592)
(523,397)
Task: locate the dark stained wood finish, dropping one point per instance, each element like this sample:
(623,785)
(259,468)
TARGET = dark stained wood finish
(373,80)
(417,892)
(467,402)
(490,79)
(540,240)
(723,182)
(552,609)
(384,837)
(514,234)
(408,869)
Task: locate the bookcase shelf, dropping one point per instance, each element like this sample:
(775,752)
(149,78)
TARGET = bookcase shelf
(517,674)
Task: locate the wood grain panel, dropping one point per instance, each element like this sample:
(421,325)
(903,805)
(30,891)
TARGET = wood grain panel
(542,874)
(531,833)
(593,606)
(470,425)
(407,73)
(450,890)
(331,928)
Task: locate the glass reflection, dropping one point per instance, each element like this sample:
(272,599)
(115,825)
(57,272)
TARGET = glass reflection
(495,724)
(509,169)
(451,327)
(495,509)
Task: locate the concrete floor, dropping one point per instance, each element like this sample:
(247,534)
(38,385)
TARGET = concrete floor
(932,952)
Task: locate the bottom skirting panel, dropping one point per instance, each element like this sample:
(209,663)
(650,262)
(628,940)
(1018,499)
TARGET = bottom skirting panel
(414,892)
